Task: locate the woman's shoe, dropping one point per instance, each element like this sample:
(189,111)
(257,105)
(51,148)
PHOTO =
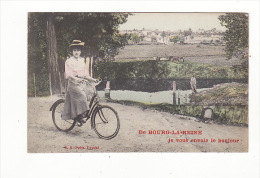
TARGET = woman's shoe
(80,119)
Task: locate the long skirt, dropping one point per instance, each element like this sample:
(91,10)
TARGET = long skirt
(77,100)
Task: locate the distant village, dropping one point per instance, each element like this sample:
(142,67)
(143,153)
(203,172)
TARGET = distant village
(201,36)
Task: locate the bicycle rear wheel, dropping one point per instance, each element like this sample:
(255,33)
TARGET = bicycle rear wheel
(60,124)
(106,122)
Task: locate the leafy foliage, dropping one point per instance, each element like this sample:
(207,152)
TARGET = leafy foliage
(37,55)
(163,34)
(98,30)
(187,32)
(174,39)
(165,70)
(132,70)
(236,35)
(135,37)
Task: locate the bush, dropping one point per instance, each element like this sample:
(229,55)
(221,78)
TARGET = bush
(165,70)
(41,84)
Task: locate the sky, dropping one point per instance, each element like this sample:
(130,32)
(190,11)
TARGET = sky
(173,21)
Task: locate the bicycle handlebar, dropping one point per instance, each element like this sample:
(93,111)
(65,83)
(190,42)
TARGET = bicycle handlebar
(92,83)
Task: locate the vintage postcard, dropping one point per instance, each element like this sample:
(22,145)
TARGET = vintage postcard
(137,82)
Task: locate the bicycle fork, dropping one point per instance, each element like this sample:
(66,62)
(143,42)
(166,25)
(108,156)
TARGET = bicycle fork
(93,114)
(101,115)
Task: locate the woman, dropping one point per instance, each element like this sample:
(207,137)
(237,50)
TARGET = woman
(78,93)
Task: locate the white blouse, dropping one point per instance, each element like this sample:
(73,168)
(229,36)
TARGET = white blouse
(75,67)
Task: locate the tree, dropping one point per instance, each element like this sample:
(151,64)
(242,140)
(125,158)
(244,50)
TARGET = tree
(163,35)
(52,56)
(174,39)
(188,32)
(37,55)
(135,37)
(181,39)
(236,35)
(98,30)
(51,33)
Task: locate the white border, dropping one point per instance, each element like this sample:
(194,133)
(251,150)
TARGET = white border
(16,162)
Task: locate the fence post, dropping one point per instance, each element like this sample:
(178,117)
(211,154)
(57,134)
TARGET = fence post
(179,99)
(34,85)
(174,92)
(50,83)
(107,90)
(193,84)
(186,98)
(91,65)
(60,83)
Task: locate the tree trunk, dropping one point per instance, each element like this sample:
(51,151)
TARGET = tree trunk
(52,56)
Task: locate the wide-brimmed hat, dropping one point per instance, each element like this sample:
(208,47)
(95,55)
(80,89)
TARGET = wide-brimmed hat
(77,43)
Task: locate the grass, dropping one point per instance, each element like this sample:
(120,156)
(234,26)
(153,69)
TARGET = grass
(177,50)
(223,94)
(198,53)
(229,115)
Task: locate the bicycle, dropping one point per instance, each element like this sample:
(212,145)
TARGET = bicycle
(102,118)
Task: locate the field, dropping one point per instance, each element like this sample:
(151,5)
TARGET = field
(190,52)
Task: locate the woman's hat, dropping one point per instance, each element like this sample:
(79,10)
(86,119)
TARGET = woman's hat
(77,43)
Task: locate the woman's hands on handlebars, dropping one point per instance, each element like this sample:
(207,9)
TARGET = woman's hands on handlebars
(94,80)
(90,80)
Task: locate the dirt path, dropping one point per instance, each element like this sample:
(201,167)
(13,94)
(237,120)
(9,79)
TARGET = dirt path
(43,137)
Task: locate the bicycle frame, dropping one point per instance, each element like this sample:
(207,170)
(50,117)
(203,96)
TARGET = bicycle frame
(99,114)
(94,105)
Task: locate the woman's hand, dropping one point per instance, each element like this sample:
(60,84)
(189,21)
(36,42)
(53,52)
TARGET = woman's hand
(90,79)
(95,80)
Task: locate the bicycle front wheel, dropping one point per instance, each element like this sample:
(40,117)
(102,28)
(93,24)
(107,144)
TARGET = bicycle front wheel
(106,122)
(60,124)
